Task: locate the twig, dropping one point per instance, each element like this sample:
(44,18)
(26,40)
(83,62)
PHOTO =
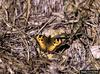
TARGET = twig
(49,21)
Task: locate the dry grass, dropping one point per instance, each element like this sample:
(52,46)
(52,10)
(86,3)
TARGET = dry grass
(21,19)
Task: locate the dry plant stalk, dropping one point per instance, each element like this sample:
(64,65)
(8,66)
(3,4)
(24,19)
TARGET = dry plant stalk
(77,20)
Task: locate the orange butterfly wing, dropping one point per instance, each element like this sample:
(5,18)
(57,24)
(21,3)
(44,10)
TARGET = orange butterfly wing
(41,39)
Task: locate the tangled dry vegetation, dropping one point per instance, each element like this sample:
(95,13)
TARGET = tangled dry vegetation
(21,19)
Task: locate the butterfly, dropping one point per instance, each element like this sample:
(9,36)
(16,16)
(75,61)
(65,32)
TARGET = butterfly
(48,43)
